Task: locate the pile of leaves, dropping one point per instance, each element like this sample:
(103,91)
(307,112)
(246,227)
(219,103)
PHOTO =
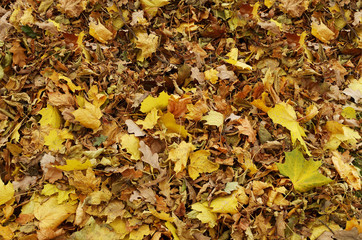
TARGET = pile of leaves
(160,119)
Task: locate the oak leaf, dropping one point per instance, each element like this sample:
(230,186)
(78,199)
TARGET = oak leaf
(304,174)
(133,128)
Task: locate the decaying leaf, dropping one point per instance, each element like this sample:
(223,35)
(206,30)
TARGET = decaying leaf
(304,174)
(347,171)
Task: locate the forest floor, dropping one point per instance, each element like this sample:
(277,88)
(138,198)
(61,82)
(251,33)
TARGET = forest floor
(160,119)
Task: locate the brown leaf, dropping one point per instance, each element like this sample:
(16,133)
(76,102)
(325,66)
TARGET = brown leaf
(73,8)
(19,56)
(61,100)
(246,129)
(148,156)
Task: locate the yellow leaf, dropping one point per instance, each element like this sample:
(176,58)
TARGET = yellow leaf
(269,3)
(233,59)
(151,6)
(53,140)
(212,75)
(150,102)
(150,120)
(6,232)
(244,158)
(131,144)
(27,18)
(70,84)
(50,116)
(322,32)
(80,44)
(120,226)
(214,118)
(140,233)
(310,113)
(173,230)
(170,123)
(97,98)
(75,164)
(161,215)
(63,196)
(180,155)
(349,112)
(285,115)
(199,163)
(304,174)
(205,214)
(6,192)
(347,171)
(148,44)
(340,134)
(354,223)
(88,116)
(100,32)
(51,214)
(228,204)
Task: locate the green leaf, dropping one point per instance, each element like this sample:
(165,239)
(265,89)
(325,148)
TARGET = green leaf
(28,31)
(99,140)
(304,174)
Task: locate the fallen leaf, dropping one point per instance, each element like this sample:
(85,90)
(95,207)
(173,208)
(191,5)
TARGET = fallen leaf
(245,128)
(148,44)
(347,171)
(199,163)
(19,57)
(285,115)
(322,32)
(88,116)
(304,174)
(170,123)
(214,118)
(100,32)
(205,214)
(180,154)
(340,134)
(75,164)
(131,144)
(148,156)
(73,8)
(94,230)
(6,192)
(211,75)
(133,128)
(50,116)
(294,8)
(150,120)
(140,233)
(151,6)
(150,102)
(233,60)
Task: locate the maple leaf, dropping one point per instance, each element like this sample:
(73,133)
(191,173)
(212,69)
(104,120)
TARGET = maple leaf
(180,155)
(73,8)
(148,44)
(88,116)
(150,102)
(51,189)
(214,118)
(170,123)
(50,116)
(285,115)
(150,120)
(131,144)
(304,174)
(6,192)
(212,75)
(55,138)
(94,230)
(199,163)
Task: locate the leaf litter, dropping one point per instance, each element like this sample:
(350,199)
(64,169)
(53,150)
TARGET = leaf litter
(159,119)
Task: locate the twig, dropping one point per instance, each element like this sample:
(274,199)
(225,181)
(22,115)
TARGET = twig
(124,20)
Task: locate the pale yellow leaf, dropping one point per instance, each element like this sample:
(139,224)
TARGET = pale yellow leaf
(131,144)
(214,118)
